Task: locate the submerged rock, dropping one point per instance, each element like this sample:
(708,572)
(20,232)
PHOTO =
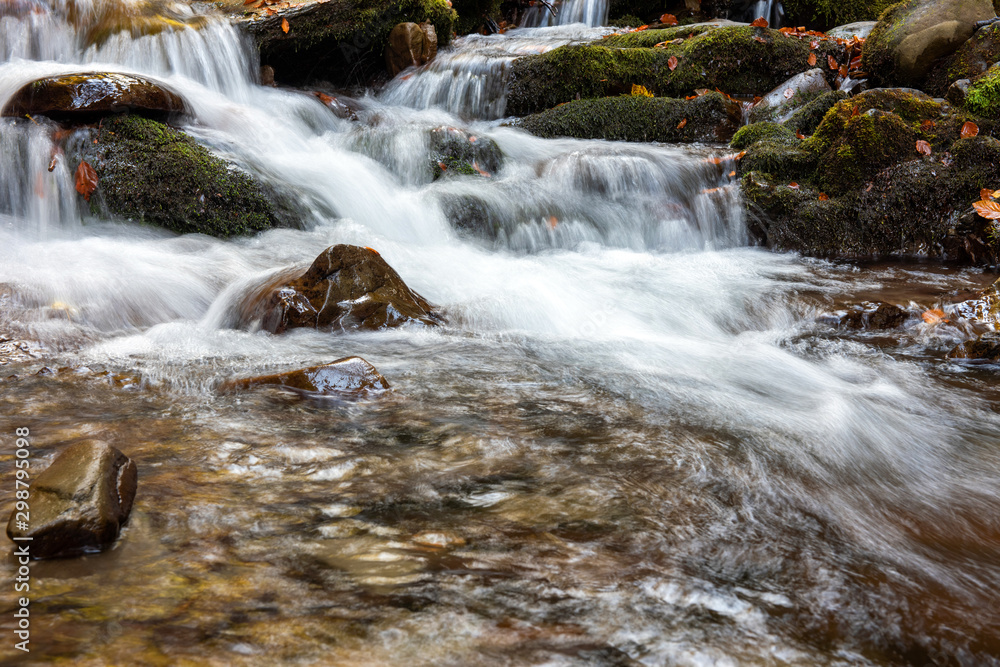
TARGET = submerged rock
(347,287)
(89,95)
(912,35)
(350,375)
(710,117)
(874,316)
(456,151)
(150,172)
(80,502)
(986,347)
(410,45)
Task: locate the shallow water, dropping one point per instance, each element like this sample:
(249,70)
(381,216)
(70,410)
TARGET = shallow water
(637,441)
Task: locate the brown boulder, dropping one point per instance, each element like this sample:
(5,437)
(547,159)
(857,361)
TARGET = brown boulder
(79,502)
(410,45)
(347,287)
(986,347)
(874,316)
(93,94)
(351,375)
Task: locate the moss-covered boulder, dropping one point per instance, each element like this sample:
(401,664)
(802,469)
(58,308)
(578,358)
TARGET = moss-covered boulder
(710,117)
(912,35)
(153,173)
(736,60)
(972,60)
(790,96)
(341,41)
(90,95)
(825,14)
(859,186)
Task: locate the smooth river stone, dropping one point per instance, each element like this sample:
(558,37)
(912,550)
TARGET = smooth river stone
(93,94)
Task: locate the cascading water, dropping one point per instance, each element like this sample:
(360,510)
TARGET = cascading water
(592,13)
(633,443)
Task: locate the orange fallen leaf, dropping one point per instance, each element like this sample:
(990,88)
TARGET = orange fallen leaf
(680,125)
(843,71)
(927,125)
(788,93)
(86,180)
(813,45)
(758,38)
(832,62)
(823,196)
(284,26)
(672,63)
(641,91)
(855,111)
(760,23)
(372,249)
(934,316)
(552,222)
(793,185)
(988,209)
(969,130)
(443,166)
(923,147)
(732,173)
(668,19)
(799,135)
(812,59)
(641,28)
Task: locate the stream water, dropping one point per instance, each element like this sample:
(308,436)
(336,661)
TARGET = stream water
(637,441)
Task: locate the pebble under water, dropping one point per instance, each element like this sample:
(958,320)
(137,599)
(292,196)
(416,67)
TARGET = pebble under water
(637,441)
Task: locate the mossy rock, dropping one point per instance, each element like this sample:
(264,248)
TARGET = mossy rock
(808,117)
(862,135)
(341,42)
(649,38)
(454,151)
(153,173)
(727,58)
(782,160)
(751,134)
(711,117)
(826,14)
(972,60)
(911,35)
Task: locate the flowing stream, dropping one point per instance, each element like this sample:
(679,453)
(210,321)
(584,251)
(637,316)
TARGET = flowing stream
(637,441)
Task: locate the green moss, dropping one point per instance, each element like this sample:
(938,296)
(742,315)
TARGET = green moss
(827,14)
(751,134)
(729,58)
(626,21)
(779,160)
(710,117)
(877,57)
(983,97)
(649,38)
(153,173)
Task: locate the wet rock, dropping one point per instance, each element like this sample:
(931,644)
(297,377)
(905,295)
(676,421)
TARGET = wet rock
(781,103)
(339,42)
(350,375)
(958,92)
(983,94)
(80,502)
(859,29)
(710,117)
(912,35)
(347,287)
(874,316)
(748,135)
(410,45)
(986,347)
(456,151)
(90,95)
(984,309)
(341,105)
(150,172)
(728,58)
